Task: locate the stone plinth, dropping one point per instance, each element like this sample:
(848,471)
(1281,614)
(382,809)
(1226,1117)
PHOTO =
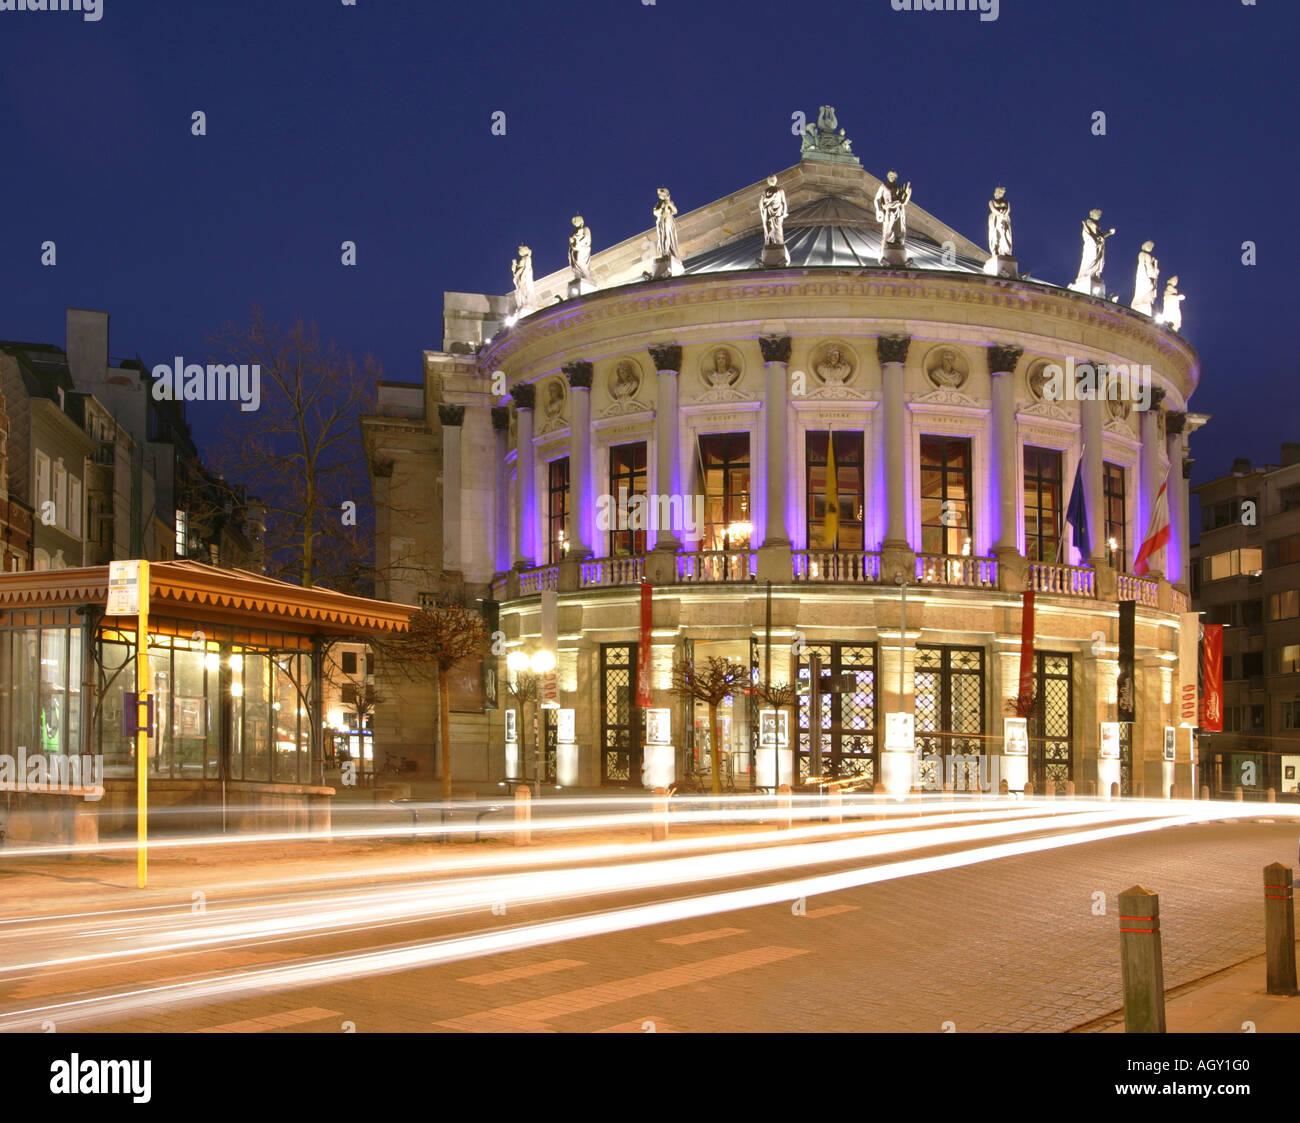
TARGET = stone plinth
(665,267)
(894,256)
(776,257)
(999,266)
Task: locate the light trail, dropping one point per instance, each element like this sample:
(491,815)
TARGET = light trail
(332,968)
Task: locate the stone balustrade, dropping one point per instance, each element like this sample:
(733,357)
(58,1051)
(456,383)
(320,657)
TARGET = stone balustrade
(836,566)
(964,572)
(1062,580)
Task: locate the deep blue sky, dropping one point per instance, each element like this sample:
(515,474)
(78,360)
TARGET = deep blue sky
(372,123)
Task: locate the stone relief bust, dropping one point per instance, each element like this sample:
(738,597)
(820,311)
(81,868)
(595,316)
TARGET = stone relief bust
(719,369)
(947,368)
(553,406)
(624,381)
(833,365)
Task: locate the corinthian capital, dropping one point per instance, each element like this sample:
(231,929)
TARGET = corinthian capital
(775,348)
(893,348)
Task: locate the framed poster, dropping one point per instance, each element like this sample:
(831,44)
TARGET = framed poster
(658,727)
(565,725)
(1109,740)
(512,728)
(1016,736)
(774,729)
(900,733)
(1171,741)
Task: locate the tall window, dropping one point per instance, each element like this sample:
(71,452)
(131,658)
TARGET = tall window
(946,526)
(847,534)
(1116,515)
(627,477)
(1042,504)
(557,510)
(60,494)
(182,533)
(724,460)
(44,485)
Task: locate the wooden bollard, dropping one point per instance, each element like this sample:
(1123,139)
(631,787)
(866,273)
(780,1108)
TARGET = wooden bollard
(1114,791)
(523,815)
(1141,790)
(1272,795)
(1239,793)
(659,815)
(1173,791)
(1090,789)
(1029,789)
(878,790)
(1143,967)
(1205,791)
(1004,788)
(783,801)
(834,803)
(1069,788)
(1279,929)
(1049,789)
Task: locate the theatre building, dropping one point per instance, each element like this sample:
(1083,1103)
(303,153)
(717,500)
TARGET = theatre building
(235,670)
(859,433)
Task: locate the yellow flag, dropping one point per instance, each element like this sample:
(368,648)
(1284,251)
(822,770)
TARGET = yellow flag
(832,495)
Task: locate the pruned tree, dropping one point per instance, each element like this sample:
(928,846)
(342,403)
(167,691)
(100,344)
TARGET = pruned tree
(526,688)
(435,640)
(711,683)
(300,450)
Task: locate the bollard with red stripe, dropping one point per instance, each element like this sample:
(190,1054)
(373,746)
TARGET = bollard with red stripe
(1143,966)
(1279,929)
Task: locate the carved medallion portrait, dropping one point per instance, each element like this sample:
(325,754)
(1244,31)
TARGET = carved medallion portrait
(833,364)
(946,368)
(720,368)
(624,380)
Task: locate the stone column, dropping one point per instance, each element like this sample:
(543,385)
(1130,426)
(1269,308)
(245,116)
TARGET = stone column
(501,505)
(776,404)
(525,394)
(1006,469)
(1179,470)
(667,359)
(892,352)
(1148,474)
(451,418)
(1090,422)
(581,492)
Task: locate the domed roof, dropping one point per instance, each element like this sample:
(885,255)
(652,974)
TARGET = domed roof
(830,231)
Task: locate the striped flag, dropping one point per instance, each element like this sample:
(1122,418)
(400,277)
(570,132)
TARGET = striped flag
(1157,531)
(1076,520)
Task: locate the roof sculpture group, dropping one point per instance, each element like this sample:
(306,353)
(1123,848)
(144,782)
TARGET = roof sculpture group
(891,201)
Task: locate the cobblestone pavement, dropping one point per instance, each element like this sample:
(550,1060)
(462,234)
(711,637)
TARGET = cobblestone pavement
(1014,944)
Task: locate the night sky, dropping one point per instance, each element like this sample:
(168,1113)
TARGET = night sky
(372,123)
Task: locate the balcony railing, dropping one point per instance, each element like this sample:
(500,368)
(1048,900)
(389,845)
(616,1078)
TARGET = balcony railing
(837,566)
(716,566)
(1140,589)
(1180,606)
(613,571)
(972,573)
(533,581)
(1062,580)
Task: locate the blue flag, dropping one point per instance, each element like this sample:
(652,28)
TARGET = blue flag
(1076,516)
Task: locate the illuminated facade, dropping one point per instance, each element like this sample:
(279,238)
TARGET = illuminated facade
(926,384)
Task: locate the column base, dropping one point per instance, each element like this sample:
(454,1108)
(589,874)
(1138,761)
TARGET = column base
(776,563)
(665,267)
(1013,569)
(999,266)
(893,256)
(897,557)
(775,256)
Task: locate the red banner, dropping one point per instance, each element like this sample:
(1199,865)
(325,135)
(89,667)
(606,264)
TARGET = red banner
(1212,674)
(1025,695)
(643,696)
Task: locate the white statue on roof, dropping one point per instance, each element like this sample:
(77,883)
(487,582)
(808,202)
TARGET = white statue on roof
(1000,224)
(1144,287)
(1172,309)
(1093,261)
(891,202)
(521,269)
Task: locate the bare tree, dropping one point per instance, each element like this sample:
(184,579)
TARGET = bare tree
(435,640)
(716,680)
(780,696)
(526,687)
(300,451)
